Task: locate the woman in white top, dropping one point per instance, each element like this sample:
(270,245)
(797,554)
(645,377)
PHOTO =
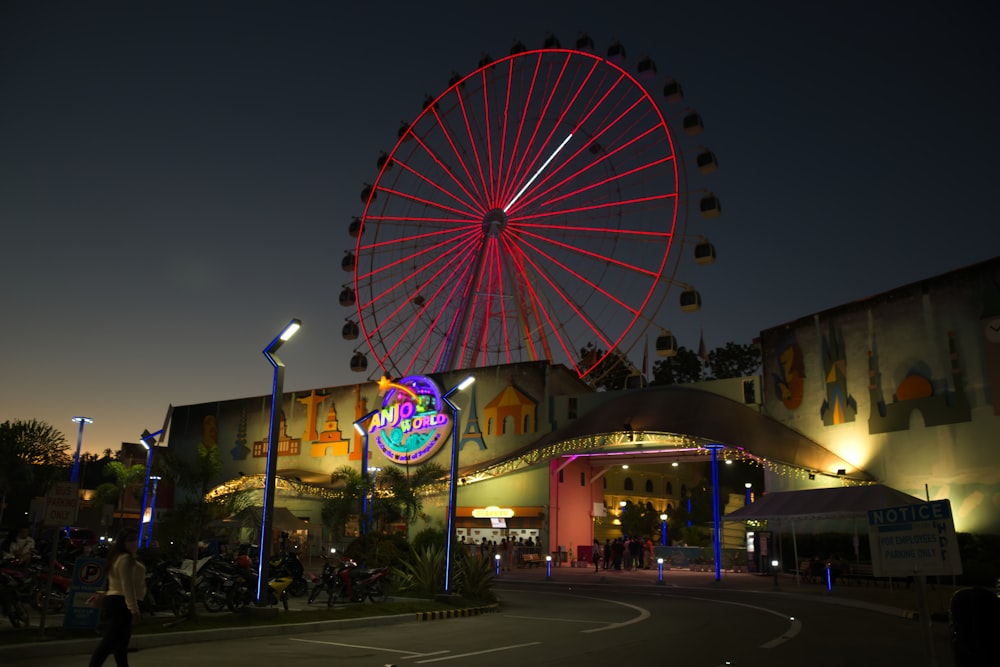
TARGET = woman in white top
(126,586)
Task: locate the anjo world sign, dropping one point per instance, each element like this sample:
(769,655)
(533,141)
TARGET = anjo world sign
(410,427)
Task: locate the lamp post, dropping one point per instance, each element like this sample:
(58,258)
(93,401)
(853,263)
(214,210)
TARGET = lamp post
(148,441)
(748,485)
(152,510)
(452,481)
(267,515)
(82,421)
(362,430)
(716,527)
(663,529)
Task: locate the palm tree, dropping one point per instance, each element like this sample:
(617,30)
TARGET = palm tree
(32,455)
(403,492)
(338,511)
(123,478)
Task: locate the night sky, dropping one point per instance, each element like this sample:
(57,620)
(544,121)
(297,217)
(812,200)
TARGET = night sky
(176,179)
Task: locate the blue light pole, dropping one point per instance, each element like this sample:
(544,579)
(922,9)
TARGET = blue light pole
(362,430)
(716,524)
(148,441)
(152,509)
(267,515)
(452,482)
(663,529)
(82,421)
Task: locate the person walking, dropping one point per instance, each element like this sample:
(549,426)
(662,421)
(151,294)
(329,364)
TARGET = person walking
(596,556)
(126,586)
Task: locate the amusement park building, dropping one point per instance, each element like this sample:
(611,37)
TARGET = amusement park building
(902,388)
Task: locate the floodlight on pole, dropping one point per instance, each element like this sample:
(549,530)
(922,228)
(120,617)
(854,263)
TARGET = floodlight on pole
(82,421)
(148,440)
(452,482)
(267,515)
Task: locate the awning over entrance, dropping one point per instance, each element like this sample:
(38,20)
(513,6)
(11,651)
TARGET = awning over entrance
(837,503)
(701,417)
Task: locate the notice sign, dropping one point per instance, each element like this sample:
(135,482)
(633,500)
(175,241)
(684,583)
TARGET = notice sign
(913,539)
(61,503)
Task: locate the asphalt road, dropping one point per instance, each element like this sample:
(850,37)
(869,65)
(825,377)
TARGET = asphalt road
(589,625)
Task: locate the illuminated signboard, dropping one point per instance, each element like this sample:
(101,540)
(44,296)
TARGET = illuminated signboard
(410,427)
(492,512)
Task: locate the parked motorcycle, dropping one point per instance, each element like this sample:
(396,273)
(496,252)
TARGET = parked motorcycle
(359,585)
(287,563)
(329,581)
(12,603)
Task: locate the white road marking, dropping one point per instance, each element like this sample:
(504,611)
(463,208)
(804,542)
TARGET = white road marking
(794,627)
(549,618)
(410,654)
(489,650)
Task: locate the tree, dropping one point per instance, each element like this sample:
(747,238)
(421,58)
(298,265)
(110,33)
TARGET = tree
(123,478)
(398,495)
(197,476)
(337,512)
(33,454)
(734,360)
(612,373)
(683,368)
(639,521)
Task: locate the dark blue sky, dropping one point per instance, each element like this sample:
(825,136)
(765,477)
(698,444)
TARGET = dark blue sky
(176,179)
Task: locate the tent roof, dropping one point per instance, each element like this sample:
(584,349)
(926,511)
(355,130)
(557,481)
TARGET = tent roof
(283,519)
(836,503)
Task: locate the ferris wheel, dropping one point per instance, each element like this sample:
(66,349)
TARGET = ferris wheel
(535,209)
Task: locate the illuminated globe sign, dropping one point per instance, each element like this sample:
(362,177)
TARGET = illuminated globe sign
(410,427)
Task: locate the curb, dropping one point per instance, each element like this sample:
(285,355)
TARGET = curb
(456,613)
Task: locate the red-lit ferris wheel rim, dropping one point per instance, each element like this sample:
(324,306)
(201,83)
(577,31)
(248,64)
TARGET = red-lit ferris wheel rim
(526,213)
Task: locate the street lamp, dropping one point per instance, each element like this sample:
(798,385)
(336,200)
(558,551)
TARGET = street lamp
(716,519)
(267,516)
(363,432)
(452,481)
(152,509)
(148,441)
(663,529)
(748,485)
(82,421)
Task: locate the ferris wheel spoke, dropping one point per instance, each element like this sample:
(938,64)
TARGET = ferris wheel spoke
(511,173)
(541,310)
(442,245)
(575,249)
(596,207)
(590,283)
(457,255)
(469,202)
(489,142)
(561,293)
(475,149)
(580,173)
(444,127)
(422,200)
(530,150)
(423,340)
(591,164)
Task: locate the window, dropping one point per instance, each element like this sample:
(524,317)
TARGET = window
(560,476)
(489,426)
(571,412)
(527,424)
(583,479)
(628,484)
(605,482)
(649,486)
(670,489)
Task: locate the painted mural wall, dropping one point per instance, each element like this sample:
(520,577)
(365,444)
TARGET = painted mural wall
(504,410)
(906,385)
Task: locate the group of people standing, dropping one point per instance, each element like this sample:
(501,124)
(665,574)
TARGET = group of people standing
(623,553)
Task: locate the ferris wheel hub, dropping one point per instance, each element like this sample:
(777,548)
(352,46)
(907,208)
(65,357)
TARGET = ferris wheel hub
(494,222)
